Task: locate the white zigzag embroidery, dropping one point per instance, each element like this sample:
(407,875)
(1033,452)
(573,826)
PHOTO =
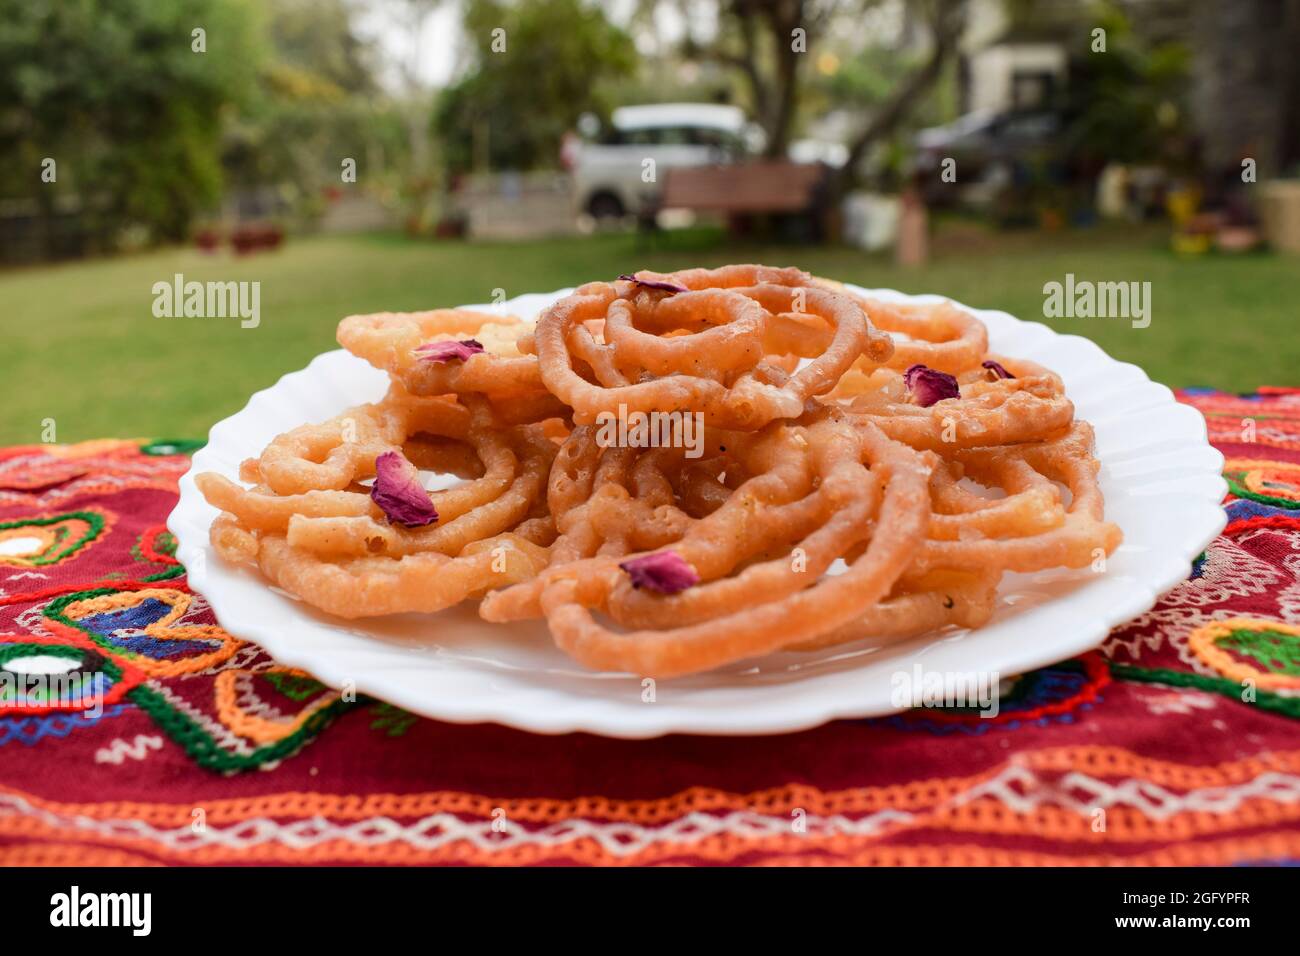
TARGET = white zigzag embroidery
(440,829)
(1021,789)
(1017,787)
(119,749)
(1179,702)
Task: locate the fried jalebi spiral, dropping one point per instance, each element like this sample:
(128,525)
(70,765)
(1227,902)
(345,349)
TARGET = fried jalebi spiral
(1033,531)
(614,501)
(919,603)
(863,470)
(700,349)
(819,489)
(329,455)
(405,345)
(337,548)
(986,410)
(937,335)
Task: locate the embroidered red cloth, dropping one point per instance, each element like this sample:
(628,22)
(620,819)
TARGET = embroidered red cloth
(1173,744)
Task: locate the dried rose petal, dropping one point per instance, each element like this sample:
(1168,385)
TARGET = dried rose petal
(447,351)
(664,571)
(654,284)
(929,385)
(399,494)
(997,369)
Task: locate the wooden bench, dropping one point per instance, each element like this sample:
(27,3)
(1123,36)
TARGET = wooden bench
(777,188)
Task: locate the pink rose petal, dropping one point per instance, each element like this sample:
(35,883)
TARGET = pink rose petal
(449,351)
(665,572)
(997,369)
(654,284)
(399,494)
(929,385)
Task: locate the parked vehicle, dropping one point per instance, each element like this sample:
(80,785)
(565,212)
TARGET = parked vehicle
(991,150)
(610,170)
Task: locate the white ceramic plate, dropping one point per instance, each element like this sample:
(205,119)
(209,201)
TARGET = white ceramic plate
(1160,476)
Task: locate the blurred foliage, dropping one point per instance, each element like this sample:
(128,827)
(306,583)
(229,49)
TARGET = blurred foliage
(513,107)
(863,82)
(317,104)
(114,92)
(1129,105)
(315,45)
(150,133)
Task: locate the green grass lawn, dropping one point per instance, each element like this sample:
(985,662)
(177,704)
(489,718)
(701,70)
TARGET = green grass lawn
(81,345)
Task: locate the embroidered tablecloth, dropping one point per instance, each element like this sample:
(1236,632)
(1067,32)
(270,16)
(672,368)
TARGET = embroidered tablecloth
(1175,743)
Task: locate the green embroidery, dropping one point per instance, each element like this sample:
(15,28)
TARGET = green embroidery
(392,720)
(1272,650)
(175,571)
(1265,700)
(54,611)
(165,543)
(76,681)
(9,652)
(1241,491)
(204,749)
(294,686)
(173,446)
(94,522)
(198,743)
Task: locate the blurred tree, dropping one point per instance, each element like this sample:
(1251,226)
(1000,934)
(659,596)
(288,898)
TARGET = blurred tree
(127,99)
(514,105)
(768,41)
(758,39)
(1128,106)
(945,21)
(316,36)
(1247,84)
(414,102)
(317,105)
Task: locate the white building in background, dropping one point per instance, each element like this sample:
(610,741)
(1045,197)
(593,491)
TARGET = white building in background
(1002,70)
(1013,76)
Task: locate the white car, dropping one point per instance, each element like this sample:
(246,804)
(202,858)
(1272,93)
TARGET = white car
(610,169)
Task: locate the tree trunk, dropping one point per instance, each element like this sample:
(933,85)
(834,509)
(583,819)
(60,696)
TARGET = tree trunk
(947,27)
(783,20)
(1244,77)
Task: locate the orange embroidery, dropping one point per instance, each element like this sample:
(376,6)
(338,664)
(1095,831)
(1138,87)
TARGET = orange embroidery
(164,629)
(1093,760)
(931,804)
(1250,464)
(720,848)
(253,726)
(1204,643)
(69,854)
(51,538)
